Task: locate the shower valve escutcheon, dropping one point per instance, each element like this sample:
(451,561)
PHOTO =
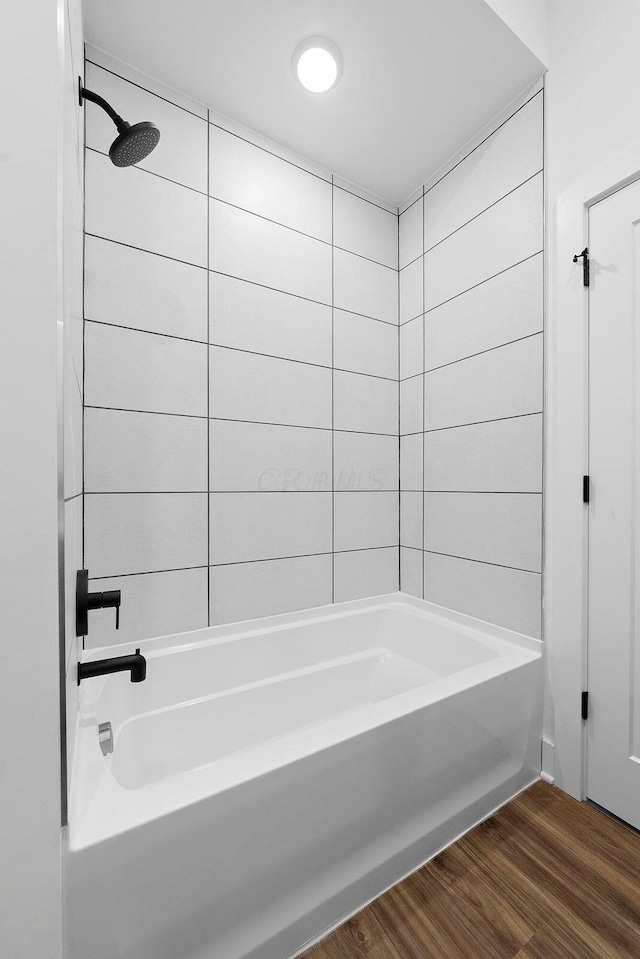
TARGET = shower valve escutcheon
(109,599)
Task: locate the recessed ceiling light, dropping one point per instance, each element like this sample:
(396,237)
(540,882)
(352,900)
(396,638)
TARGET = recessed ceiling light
(317,64)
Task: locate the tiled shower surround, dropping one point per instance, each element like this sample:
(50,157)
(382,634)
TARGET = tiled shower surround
(241,425)
(241,377)
(471,379)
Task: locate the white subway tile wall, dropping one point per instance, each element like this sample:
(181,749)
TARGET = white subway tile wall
(365,404)
(248,590)
(129,287)
(292,396)
(411,511)
(365,572)
(497,594)
(411,461)
(252,179)
(365,461)
(128,533)
(144,452)
(411,575)
(158,604)
(471,380)
(362,345)
(411,280)
(241,376)
(365,287)
(364,229)
(365,520)
(244,316)
(410,243)
(258,457)
(250,526)
(145,211)
(130,370)
(244,245)
(261,389)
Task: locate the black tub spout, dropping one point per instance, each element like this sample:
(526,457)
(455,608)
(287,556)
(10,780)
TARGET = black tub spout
(135,663)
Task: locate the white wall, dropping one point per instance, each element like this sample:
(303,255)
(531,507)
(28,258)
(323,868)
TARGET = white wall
(471,314)
(32,70)
(571,20)
(241,365)
(592,90)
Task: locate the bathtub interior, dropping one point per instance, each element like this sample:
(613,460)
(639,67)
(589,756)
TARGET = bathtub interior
(221,658)
(233,692)
(181,737)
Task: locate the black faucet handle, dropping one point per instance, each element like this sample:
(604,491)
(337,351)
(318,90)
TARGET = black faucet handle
(109,599)
(112,598)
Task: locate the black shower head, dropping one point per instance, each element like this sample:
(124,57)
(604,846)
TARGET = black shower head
(134,142)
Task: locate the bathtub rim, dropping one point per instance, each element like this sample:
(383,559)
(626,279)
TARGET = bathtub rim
(226,632)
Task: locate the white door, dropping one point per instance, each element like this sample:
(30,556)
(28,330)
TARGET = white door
(613,729)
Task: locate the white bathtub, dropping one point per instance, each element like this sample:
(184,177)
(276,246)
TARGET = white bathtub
(270,778)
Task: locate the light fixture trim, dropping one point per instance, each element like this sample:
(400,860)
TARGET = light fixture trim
(317,74)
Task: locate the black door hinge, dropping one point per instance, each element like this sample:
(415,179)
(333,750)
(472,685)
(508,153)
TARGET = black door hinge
(585,264)
(586,486)
(585,705)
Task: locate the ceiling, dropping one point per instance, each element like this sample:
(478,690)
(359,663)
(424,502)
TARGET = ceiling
(420,76)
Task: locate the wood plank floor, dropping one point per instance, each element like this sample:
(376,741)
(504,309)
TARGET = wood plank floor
(545,878)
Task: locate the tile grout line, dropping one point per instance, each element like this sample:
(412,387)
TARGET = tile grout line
(424,363)
(142,249)
(236,206)
(262,492)
(476,492)
(242,562)
(275,559)
(485,562)
(459,426)
(231,276)
(487,279)
(399,425)
(481,282)
(472,559)
(415,259)
(461,226)
(333,401)
(472,356)
(239,349)
(227,419)
(159,176)
(483,211)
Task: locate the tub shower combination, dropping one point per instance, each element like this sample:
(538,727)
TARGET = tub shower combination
(270,778)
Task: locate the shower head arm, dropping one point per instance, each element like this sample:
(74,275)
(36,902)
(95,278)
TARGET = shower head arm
(121,124)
